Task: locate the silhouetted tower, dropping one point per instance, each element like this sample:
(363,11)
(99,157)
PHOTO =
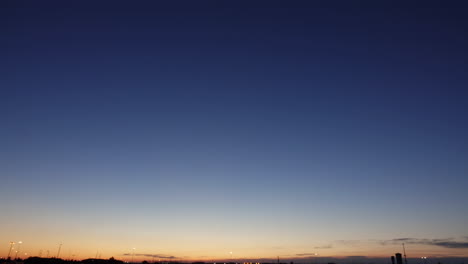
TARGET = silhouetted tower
(399,260)
(404,252)
(393,259)
(60,247)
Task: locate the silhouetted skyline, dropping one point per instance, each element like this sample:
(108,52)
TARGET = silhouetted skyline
(263,128)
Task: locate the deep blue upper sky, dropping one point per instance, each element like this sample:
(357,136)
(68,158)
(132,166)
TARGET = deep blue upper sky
(269,106)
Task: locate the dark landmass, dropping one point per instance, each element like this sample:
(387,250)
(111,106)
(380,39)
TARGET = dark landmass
(322,260)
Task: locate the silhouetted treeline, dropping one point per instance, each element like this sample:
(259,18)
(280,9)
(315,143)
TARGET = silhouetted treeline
(38,260)
(102,261)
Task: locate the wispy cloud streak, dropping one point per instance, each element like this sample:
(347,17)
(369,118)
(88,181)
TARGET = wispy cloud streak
(163,256)
(324,247)
(446,243)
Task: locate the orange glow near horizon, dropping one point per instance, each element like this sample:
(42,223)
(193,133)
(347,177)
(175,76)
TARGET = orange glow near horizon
(205,251)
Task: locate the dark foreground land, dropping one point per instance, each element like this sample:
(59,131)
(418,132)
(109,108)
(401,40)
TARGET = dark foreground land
(346,260)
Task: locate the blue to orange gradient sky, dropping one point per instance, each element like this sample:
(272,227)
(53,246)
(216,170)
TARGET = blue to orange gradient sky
(193,129)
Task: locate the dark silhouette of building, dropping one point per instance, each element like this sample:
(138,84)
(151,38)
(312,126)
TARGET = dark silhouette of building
(399,259)
(393,259)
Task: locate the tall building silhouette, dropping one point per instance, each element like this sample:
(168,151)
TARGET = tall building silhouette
(399,260)
(393,259)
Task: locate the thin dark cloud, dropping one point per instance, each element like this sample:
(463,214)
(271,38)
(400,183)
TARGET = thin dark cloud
(324,247)
(452,244)
(163,256)
(347,242)
(446,242)
(404,239)
(306,254)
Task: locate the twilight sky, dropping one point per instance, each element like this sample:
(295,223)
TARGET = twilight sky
(196,128)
